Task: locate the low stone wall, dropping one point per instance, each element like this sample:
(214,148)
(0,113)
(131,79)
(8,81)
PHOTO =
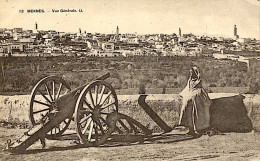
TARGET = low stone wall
(15,109)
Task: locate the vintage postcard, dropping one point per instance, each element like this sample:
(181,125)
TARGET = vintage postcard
(130,80)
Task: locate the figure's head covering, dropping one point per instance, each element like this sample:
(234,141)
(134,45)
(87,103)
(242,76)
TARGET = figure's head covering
(194,73)
(194,81)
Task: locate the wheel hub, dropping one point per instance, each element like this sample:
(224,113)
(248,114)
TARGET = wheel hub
(54,107)
(96,113)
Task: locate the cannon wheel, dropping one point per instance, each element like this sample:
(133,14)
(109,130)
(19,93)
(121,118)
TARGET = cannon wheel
(96,113)
(42,102)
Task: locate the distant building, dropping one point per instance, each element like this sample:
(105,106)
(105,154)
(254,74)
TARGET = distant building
(108,46)
(17,47)
(117,32)
(35,28)
(243,40)
(132,40)
(235,32)
(17,36)
(4,48)
(232,57)
(159,45)
(98,53)
(25,40)
(18,30)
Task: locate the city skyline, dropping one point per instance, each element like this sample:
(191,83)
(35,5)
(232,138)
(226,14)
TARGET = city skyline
(199,17)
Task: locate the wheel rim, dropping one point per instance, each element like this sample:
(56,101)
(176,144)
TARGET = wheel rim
(96,102)
(42,102)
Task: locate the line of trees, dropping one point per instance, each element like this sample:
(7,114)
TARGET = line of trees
(21,74)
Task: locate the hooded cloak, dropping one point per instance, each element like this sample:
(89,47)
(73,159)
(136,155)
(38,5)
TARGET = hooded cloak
(195,104)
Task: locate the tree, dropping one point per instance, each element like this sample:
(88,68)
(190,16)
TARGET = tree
(253,88)
(164,90)
(222,84)
(142,89)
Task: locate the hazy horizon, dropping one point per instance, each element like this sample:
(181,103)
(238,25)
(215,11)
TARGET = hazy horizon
(200,17)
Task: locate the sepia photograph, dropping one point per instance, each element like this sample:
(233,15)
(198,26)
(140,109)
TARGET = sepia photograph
(98,80)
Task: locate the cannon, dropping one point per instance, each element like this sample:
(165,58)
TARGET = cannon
(93,107)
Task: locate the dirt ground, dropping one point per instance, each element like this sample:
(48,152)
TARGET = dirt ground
(170,146)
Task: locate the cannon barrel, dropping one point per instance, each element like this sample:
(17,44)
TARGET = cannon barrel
(103,77)
(68,101)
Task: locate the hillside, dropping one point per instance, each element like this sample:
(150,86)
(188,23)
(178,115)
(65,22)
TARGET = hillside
(21,74)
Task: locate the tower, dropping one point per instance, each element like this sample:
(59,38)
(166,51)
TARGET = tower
(80,30)
(117,32)
(35,28)
(235,30)
(180,32)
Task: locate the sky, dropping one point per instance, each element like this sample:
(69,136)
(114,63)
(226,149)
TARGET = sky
(200,17)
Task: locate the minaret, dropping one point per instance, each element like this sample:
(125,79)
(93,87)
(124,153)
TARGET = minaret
(235,31)
(180,32)
(117,32)
(79,30)
(36,26)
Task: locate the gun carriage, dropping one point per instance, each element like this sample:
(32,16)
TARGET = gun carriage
(93,107)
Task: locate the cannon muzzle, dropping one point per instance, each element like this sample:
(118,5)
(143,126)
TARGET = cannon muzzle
(103,77)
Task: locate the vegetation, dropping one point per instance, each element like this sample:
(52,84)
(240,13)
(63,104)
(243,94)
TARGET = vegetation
(21,74)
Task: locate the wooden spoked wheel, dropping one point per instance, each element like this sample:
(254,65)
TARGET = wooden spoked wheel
(96,113)
(128,125)
(42,102)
